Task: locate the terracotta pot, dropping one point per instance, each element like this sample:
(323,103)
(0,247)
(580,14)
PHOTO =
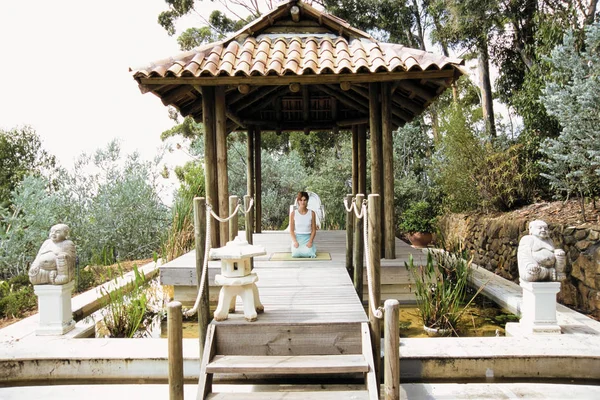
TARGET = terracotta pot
(420,239)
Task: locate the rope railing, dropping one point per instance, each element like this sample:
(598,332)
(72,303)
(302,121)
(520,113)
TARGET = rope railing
(377,312)
(209,212)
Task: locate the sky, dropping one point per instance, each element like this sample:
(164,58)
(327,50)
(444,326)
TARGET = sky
(64,70)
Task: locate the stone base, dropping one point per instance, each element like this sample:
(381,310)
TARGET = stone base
(538,310)
(54,306)
(245,287)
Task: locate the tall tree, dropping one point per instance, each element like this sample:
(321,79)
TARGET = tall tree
(468,24)
(21,154)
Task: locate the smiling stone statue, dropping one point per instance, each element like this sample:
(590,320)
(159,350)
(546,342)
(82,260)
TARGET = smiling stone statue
(55,262)
(537,258)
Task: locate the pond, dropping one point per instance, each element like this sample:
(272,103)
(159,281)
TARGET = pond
(482,318)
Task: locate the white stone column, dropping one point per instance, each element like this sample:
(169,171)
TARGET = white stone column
(538,310)
(54,307)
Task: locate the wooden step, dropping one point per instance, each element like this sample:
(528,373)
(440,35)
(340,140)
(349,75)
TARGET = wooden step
(327,364)
(313,395)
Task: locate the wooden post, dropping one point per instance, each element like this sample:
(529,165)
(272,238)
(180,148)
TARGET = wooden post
(388,171)
(258,183)
(233,222)
(249,179)
(200,238)
(223,180)
(355,160)
(249,224)
(175,346)
(362,159)
(349,237)
(210,158)
(374,235)
(376,139)
(359,248)
(391,350)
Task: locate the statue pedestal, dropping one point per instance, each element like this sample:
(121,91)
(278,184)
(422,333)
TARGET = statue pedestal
(54,306)
(538,310)
(243,286)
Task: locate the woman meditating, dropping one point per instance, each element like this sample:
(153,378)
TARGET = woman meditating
(303,228)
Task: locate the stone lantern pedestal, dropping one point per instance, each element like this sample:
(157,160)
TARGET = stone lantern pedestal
(237,279)
(538,310)
(54,307)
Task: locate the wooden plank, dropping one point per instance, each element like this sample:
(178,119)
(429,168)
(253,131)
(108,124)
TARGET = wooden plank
(371,381)
(296,339)
(289,395)
(320,364)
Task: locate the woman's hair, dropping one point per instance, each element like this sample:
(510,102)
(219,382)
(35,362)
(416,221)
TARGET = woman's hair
(301,195)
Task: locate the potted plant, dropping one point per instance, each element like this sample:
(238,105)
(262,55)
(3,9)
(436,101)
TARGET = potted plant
(440,289)
(418,222)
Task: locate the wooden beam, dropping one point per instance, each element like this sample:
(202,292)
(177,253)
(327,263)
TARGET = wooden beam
(243,88)
(403,102)
(353,121)
(295,87)
(276,80)
(274,95)
(345,86)
(248,101)
(362,159)
(345,99)
(232,116)
(295,13)
(176,93)
(417,90)
(234,97)
(375,129)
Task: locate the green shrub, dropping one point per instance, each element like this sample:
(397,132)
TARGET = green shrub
(418,217)
(16,297)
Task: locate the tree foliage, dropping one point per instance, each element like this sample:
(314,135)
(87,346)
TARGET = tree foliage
(21,154)
(572,95)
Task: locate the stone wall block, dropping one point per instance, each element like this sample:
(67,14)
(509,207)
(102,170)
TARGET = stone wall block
(570,239)
(582,245)
(580,234)
(593,235)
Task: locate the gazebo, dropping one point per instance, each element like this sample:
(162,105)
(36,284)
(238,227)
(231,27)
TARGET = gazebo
(300,69)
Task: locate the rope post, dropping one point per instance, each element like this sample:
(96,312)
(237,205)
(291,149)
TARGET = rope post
(374,236)
(175,346)
(358,250)
(200,238)
(349,237)
(249,223)
(233,222)
(391,350)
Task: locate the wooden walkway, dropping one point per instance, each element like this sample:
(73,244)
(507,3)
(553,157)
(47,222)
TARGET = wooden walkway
(314,326)
(281,280)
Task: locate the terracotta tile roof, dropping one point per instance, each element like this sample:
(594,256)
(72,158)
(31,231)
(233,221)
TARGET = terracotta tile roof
(298,55)
(291,71)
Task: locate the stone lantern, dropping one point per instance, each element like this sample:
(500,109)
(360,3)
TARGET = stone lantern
(237,279)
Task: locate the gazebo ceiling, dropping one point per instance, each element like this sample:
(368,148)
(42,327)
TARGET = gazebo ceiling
(297,68)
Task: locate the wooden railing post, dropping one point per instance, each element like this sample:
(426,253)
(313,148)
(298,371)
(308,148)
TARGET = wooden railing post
(175,346)
(200,238)
(249,223)
(233,222)
(349,237)
(374,235)
(358,249)
(391,350)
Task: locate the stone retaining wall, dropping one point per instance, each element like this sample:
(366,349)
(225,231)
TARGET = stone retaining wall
(493,241)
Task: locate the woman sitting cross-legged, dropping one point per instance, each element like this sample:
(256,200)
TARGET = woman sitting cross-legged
(303,228)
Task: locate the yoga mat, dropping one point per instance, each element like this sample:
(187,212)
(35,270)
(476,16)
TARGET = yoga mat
(321,256)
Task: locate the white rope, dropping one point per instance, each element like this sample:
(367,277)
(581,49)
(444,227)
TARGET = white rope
(354,207)
(377,312)
(223,219)
(194,310)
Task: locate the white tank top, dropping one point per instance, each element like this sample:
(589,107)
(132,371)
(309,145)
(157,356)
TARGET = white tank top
(303,223)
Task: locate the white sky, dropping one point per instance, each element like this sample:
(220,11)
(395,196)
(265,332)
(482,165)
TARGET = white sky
(64,71)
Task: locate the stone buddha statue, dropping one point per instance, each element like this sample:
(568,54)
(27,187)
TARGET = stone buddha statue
(537,258)
(55,261)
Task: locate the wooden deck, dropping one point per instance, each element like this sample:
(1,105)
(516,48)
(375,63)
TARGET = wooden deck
(314,324)
(302,282)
